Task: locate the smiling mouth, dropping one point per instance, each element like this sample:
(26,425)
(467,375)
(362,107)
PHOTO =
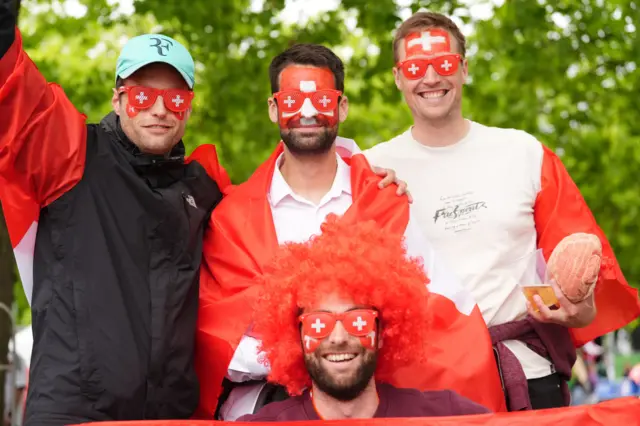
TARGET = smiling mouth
(157,126)
(433,94)
(337,358)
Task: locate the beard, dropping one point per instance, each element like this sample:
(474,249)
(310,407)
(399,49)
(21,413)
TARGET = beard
(302,143)
(344,390)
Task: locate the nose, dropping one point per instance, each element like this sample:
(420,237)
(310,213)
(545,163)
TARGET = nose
(431,77)
(158,108)
(308,110)
(338,335)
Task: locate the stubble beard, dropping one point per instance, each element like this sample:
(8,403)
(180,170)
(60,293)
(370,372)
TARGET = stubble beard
(309,145)
(340,390)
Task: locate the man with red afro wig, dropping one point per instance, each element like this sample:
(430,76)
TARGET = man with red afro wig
(337,315)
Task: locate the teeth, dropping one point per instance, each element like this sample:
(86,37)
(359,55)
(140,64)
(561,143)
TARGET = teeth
(308,121)
(340,357)
(436,94)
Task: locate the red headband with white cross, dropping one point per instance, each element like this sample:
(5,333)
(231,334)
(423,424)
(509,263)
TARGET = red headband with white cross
(427,42)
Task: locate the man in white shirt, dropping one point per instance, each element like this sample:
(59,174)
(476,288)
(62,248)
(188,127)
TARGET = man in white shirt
(311,174)
(488,199)
(309,181)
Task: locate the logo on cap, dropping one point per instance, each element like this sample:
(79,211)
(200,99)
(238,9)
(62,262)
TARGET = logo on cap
(161,46)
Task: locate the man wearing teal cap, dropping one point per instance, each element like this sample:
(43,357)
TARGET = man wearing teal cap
(106,221)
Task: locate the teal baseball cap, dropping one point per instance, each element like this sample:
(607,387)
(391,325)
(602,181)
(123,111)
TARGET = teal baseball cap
(150,48)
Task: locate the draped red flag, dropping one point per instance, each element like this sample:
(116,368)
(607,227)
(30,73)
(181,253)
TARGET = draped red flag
(560,210)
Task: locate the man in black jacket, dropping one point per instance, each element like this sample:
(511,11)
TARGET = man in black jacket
(107,222)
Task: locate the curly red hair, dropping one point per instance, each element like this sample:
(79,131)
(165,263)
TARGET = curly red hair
(360,261)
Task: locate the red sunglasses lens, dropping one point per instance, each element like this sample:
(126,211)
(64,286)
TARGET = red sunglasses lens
(290,101)
(318,325)
(446,65)
(359,323)
(415,69)
(324,100)
(142,97)
(177,100)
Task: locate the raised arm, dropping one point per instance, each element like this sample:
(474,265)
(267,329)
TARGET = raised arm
(42,142)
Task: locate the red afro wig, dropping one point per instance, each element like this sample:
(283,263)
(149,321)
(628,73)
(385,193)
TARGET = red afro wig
(360,261)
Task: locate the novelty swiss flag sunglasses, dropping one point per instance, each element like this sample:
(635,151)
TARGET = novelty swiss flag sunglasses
(319,325)
(445,65)
(322,100)
(141,97)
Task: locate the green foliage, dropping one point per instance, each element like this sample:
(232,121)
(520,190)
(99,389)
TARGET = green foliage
(24,314)
(562,70)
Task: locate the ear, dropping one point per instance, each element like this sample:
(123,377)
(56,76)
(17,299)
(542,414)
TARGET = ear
(343,108)
(396,78)
(273,110)
(115,102)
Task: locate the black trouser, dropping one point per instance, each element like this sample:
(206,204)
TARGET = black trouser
(546,392)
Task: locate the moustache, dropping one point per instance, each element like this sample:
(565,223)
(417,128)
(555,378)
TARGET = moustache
(296,122)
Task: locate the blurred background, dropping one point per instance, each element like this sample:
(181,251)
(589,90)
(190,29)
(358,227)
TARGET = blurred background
(563,70)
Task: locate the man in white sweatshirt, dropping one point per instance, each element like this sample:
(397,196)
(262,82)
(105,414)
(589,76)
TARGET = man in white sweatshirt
(487,199)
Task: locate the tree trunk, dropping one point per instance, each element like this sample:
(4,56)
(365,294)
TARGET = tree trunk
(7,281)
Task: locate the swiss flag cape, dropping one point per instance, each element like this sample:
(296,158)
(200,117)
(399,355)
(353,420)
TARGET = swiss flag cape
(559,211)
(242,238)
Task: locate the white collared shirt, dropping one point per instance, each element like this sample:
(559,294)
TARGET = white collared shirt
(296,220)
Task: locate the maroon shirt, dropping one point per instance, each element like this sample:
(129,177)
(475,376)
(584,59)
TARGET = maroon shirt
(394,402)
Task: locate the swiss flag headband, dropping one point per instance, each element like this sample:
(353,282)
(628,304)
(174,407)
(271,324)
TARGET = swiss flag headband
(427,42)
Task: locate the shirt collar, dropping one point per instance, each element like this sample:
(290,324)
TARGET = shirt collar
(280,188)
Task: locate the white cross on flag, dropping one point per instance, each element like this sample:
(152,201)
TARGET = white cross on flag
(325,101)
(427,42)
(177,101)
(318,325)
(359,323)
(289,101)
(141,97)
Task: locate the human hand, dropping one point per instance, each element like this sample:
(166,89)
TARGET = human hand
(389,177)
(569,314)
